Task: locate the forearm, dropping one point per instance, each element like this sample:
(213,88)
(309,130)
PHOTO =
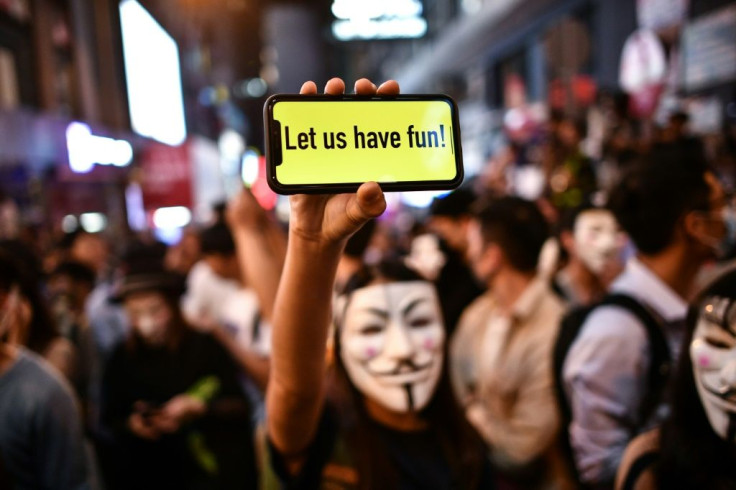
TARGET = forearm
(261,256)
(254,365)
(301,321)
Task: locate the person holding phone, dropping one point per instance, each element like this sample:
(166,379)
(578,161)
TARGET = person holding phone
(171,398)
(385,417)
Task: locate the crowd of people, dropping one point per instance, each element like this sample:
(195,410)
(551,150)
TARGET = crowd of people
(582,337)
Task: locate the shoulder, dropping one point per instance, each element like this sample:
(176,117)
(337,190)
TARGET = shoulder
(637,462)
(40,384)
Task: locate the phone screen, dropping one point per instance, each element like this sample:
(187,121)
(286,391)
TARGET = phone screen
(330,144)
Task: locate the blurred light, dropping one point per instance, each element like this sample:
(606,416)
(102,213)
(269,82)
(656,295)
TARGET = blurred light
(411,27)
(87,150)
(173,217)
(360,9)
(69,223)
(231,144)
(283,209)
(207,96)
(256,87)
(93,222)
(421,199)
(153,76)
(270,74)
(169,236)
(249,167)
(514,119)
(134,207)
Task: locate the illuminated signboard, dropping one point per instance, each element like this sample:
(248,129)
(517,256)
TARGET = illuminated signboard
(378,19)
(153,76)
(87,150)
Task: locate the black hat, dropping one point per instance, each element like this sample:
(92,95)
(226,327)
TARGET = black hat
(163,281)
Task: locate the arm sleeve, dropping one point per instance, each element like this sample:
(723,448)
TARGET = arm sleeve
(604,376)
(59,444)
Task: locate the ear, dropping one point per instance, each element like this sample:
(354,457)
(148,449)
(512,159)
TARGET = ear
(693,225)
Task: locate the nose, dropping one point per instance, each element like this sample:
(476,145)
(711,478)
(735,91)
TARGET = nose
(398,341)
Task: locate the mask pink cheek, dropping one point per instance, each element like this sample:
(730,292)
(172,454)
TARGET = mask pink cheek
(703,361)
(370,352)
(429,343)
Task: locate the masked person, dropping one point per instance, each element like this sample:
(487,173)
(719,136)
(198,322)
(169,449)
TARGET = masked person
(171,398)
(593,242)
(614,372)
(386,418)
(696,445)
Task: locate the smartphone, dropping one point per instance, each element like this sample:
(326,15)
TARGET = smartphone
(334,143)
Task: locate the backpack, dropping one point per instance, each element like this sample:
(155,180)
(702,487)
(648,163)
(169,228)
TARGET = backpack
(659,367)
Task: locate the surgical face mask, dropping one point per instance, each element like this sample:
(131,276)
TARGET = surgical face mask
(713,354)
(391,343)
(597,239)
(723,245)
(426,257)
(149,315)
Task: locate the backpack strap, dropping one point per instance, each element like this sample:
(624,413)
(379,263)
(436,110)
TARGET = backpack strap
(659,352)
(641,464)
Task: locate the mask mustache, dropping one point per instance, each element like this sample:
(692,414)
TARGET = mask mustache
(404,366)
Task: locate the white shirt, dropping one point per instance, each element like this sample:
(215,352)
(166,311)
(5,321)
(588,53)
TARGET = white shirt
(239,316)
(605,372)
(205,292)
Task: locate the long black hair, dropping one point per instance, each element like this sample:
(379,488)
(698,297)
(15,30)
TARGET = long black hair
(692,455)
(462,448)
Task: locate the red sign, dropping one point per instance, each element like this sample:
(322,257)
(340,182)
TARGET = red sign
(166,176)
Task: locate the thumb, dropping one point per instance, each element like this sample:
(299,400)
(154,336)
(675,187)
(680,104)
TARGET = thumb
(369,202)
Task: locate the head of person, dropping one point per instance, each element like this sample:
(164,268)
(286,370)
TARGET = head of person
(151,300)
(91,249)
(571,131)
(390,352)
(507,234)
(704,394)
(73,282)
(10,282)
(670,199)
(449,217)
(27,318)
(218,251)
(390,337)
(591,235)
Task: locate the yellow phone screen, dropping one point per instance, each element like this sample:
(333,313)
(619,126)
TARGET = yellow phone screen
(333,142)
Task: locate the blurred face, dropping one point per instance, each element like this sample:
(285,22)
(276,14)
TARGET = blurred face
(426,257)
(713,228)
(713,354)
(392,342)
(485,259)
(90,250)
(452,230)
(597,239)
(150,316)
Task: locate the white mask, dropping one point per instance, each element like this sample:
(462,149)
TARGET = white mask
(713,354)
(596,236)
(392,340)
(426,257)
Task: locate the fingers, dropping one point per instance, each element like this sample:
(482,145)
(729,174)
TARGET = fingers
(308,88)
(365,87)
(389,87)
(335,86)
